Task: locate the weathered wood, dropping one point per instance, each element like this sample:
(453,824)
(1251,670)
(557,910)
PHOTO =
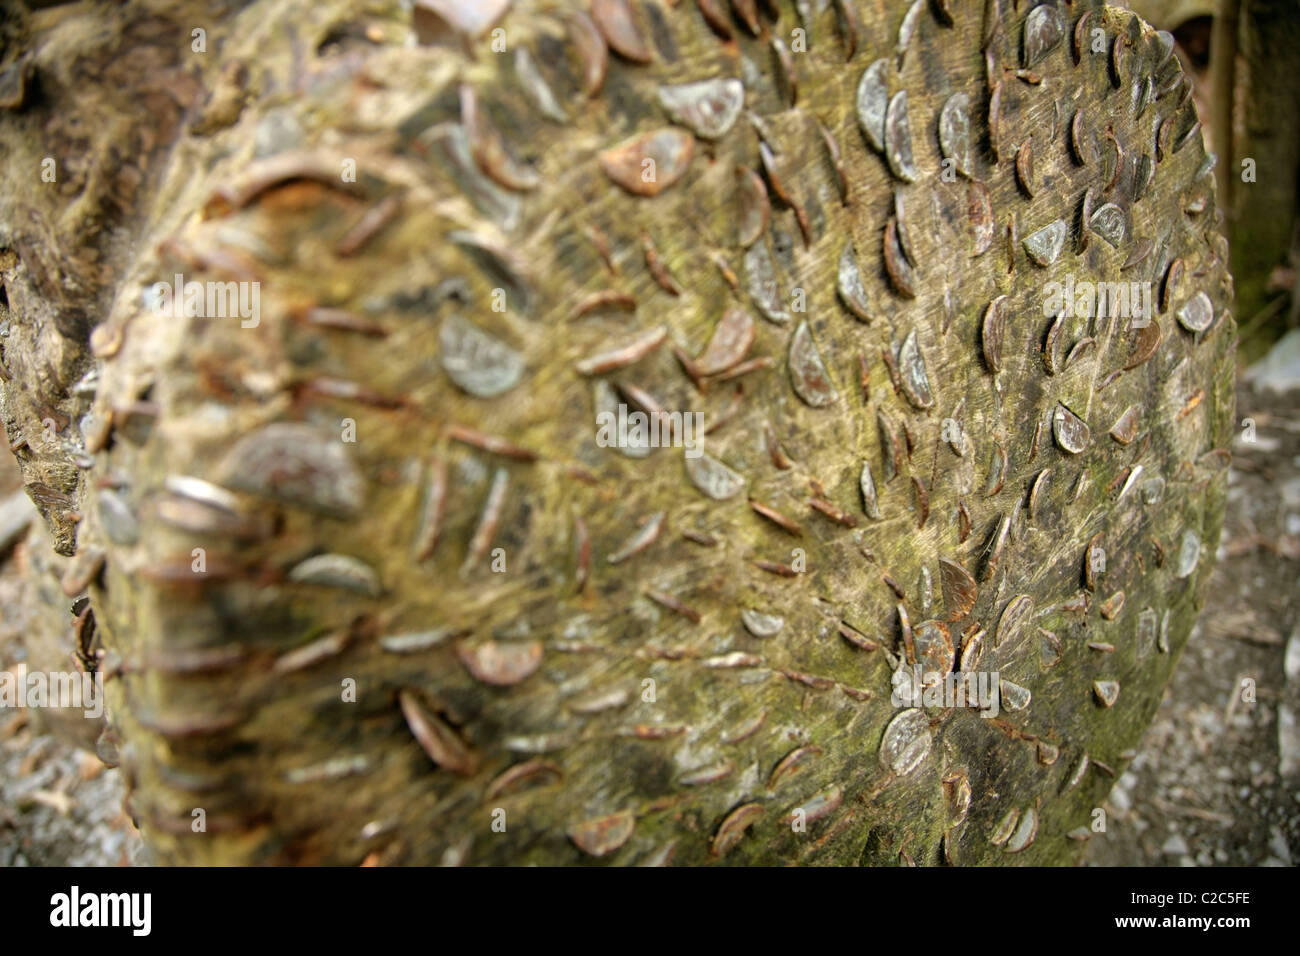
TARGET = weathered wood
(636,656)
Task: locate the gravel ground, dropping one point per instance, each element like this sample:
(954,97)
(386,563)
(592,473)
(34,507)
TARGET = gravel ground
(1216,780)
(59,805)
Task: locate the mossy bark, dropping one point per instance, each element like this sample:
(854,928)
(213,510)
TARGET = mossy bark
(411,601)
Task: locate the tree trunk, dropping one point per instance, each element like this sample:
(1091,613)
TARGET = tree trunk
(1223,99)
(1265,202)
(369,582)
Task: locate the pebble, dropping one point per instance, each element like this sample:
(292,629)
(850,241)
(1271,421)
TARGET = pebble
(1175,845)
(16,513)
(1291,662)
(1119,799)
(1290,490)
(1279,370)
(1262,443)
(1277,843)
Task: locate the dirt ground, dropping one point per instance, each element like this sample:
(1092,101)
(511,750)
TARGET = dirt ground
(59,805)
(1217,779)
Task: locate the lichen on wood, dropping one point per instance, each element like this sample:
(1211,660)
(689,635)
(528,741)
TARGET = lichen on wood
(389,590)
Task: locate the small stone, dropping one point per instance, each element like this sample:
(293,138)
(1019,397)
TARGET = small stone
(1279,371)
(1175,846)
(1120,800)
(16,513)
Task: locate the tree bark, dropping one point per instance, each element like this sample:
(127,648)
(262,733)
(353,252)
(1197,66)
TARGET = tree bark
(368,585)
(1264,212)
(1223,99)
